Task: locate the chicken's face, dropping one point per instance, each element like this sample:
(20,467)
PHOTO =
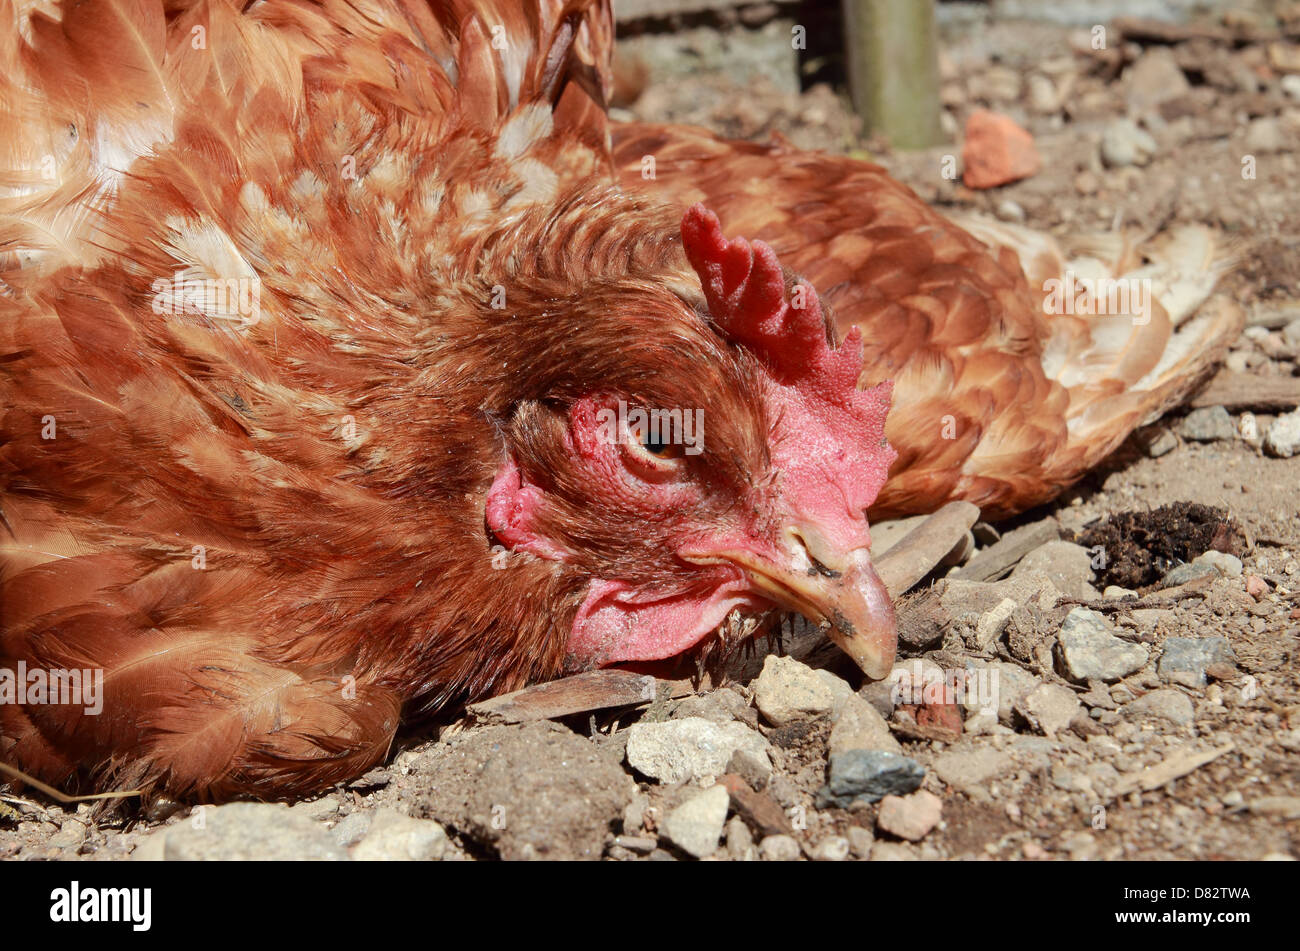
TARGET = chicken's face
(671,499)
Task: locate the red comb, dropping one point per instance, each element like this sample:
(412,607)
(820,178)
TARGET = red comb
(745,289)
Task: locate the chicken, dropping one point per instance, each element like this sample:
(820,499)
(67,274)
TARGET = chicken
(347,380)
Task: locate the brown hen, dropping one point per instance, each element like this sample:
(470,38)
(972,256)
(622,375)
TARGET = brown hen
(324,331)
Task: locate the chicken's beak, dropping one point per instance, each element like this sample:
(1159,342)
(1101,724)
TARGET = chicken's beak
(822,584)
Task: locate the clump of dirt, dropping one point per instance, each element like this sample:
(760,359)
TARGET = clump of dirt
(1141,546)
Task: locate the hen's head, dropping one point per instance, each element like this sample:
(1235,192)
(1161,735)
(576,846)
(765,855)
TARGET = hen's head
(724,460)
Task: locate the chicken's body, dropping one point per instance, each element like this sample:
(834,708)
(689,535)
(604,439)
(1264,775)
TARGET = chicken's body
(307,311)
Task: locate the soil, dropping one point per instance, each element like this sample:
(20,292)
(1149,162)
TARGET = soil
(566,787)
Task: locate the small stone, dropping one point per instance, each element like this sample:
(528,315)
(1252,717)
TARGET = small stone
(1088,650)
(860,841)
(1154,79)
(779,848)
(839,688)
(861,727)
(393,836)
(1184,660)
(1049,708)
(1165,704)
(997,151)
(868,776)
(834,848)
(1291,334)
(692,748)
(1290,85)
(1265,135)
(1256,586)
(247,830)
(1123,143)
(1043,98)
(910,817)
(1283,436)
(740,842)
(751,765)
(1008,210)
(634,815)
(790,692)
(1206,563)
(892,852)
(696,825)
(1164,442)
(993,622)
(1069,566)
(1208,424)
(353,827)
(966,768)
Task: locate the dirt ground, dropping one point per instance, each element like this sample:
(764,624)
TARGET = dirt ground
(1090,789)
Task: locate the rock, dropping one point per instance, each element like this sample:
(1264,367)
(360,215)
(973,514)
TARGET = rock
(740,842)
(910,817)
(1291,334)
(779,848)
(966,768)
(1043,97)
(1283,436)
(1290,85)
(892,852)
(696,825)
(1208,424)
(1087,650)
(1049,708)
(1185,659)
(1265,135)
(1114,592)
(691,749)
(1154,79)
(1206,563)
(1256,587)
(997,151)
(1123,143)
(868,776)
(839,688)
(993,622)
(704,706)
(241,831)
(860,841)
(790,692)
(861,727)
(833,848)
(1069,566)
(528,791)
(751,765)
(1008,210)
(396,837)
(1010,685)
(1163,442)
(1167,704)
(880,694)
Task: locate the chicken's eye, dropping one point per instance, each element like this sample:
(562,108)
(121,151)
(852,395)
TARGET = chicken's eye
(660,449)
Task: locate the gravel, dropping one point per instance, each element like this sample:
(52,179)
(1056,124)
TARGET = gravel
(1166,704)
(693,749)
(790,692)
(696,825)
(1183,660)
(910,817)
(868,776)
(1088,650)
